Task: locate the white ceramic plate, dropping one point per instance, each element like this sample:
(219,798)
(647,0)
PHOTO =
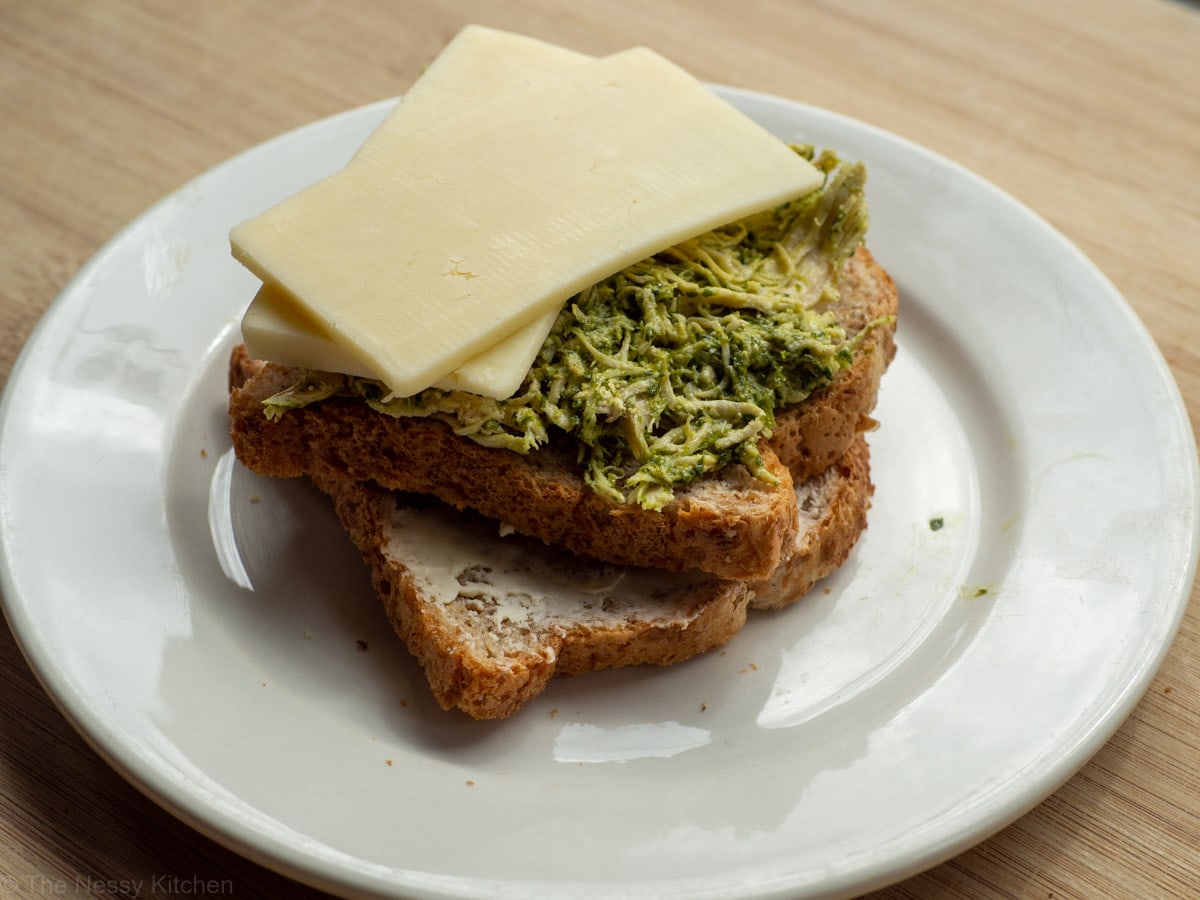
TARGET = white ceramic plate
(201,626)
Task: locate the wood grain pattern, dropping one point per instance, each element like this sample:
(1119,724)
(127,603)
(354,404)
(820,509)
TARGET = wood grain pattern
(1086,110)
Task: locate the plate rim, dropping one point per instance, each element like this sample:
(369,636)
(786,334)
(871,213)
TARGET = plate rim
(278,855)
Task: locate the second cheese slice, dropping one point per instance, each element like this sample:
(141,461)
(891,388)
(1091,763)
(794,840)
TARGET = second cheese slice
(437,246)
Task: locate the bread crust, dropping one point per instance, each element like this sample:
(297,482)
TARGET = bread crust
(833,508)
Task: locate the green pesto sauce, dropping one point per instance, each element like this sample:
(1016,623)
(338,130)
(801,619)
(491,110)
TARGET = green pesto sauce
(673,367)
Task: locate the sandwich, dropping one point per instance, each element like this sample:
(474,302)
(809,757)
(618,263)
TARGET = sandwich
(683,443)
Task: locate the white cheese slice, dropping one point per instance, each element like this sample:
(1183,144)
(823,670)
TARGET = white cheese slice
(435,247)
(479,63)
(274,328)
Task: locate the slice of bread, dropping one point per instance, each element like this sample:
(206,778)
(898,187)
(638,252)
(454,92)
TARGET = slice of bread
(492,616)
(735,526)
(729,524)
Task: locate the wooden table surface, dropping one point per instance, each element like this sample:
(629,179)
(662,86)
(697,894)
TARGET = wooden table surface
(1086,110)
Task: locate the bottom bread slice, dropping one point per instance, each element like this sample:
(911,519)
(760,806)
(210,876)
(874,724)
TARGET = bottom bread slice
(833,510)
(492,615)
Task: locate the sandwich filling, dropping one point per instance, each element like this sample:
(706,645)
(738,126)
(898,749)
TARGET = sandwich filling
(673,367)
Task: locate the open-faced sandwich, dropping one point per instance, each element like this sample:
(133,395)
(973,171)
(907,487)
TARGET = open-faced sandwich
(583,356)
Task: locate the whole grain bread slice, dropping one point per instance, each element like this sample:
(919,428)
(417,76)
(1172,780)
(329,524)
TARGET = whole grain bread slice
(729,524)
(492,616)
(736,526)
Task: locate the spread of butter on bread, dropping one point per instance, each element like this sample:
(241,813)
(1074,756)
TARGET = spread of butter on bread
(515,580)
(447,239)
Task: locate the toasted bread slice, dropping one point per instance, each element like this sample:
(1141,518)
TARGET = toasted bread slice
(734,525)
(492,618)
(729,524)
